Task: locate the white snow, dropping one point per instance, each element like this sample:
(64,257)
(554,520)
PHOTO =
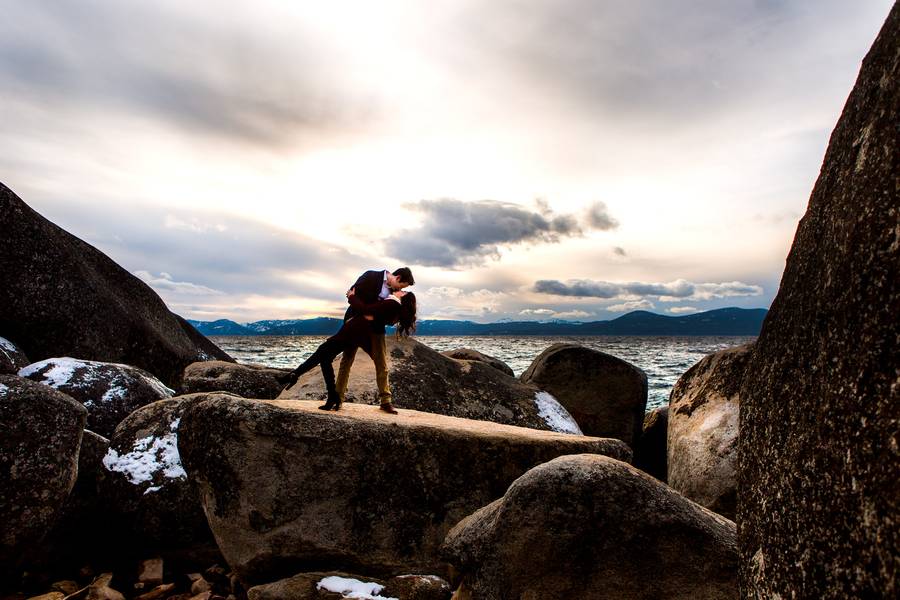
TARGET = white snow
(149,456)
(7,345)
(554,414)
(152,488)
(63,370)
(3,390)
(352,588)
(115,392)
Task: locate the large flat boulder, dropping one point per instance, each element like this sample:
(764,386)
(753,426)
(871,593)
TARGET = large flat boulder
(286,486)
(820,403)
(40,434)
(249,381)
(606,395)
(110,392)
(60,296)
(424,379)
(589,527)
(703,429)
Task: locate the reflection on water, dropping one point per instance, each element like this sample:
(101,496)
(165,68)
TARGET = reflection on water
(664,359)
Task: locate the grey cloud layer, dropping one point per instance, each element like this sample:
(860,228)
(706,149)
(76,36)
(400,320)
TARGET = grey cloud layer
(208,76)
(456,233)
(648,61)
(188,252)
(671,291)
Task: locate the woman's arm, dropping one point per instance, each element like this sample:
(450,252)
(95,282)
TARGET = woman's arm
(365,308)
(386,310)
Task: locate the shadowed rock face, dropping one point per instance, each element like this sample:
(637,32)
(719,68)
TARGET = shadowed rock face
(62,297)
(109,391)
(40,434)
(650,455)
(606,395)
(819,485)
(703,430)
(143,484)
(249,381)
(11,358)
(81,534)
(594,528)
(423,379)
(286,486)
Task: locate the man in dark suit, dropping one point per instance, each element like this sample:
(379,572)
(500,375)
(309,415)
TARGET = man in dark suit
(370,287)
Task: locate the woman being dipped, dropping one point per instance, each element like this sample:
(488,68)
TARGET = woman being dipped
(399,308)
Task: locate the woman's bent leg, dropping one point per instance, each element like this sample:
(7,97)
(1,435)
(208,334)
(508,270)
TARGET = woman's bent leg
(325,352)
(329,350)
(334,399)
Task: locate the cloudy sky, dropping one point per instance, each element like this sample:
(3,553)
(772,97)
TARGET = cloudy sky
(571,159)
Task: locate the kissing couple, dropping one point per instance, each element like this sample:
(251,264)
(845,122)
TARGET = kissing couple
(376,299)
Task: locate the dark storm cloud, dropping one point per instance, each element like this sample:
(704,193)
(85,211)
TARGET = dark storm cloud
(581,289)
(197,73)
(678,289)
(456,233)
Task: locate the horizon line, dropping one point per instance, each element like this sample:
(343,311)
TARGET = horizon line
(502,321)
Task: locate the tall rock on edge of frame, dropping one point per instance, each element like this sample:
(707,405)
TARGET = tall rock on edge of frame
(819,449)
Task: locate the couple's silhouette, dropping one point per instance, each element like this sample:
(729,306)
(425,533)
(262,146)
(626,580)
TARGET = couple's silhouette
(376,299)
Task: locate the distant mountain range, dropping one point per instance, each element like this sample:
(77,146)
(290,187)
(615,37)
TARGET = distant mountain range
(722,321)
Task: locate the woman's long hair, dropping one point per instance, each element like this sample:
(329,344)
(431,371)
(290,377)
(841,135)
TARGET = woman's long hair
(406,324)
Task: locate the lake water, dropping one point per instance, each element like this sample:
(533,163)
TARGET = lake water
(663,359)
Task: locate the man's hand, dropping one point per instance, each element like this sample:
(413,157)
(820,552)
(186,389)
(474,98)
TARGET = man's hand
(369,317)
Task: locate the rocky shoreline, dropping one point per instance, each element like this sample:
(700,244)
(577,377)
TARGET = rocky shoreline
(229,470)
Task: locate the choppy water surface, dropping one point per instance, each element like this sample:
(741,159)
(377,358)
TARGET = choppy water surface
(664,359)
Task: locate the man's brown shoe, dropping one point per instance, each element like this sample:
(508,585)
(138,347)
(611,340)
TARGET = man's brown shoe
(389,408)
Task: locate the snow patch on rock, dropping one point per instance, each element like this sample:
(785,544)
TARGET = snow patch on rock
(352,588)
(7,345)
(149,456)
(555,415)
(62,371)
(3,390)
(115,392)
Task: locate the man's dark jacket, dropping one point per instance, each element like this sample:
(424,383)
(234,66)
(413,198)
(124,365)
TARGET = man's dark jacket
(367,287)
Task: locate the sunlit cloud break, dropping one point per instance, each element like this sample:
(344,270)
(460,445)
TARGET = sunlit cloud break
(673,291)
(631,305)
